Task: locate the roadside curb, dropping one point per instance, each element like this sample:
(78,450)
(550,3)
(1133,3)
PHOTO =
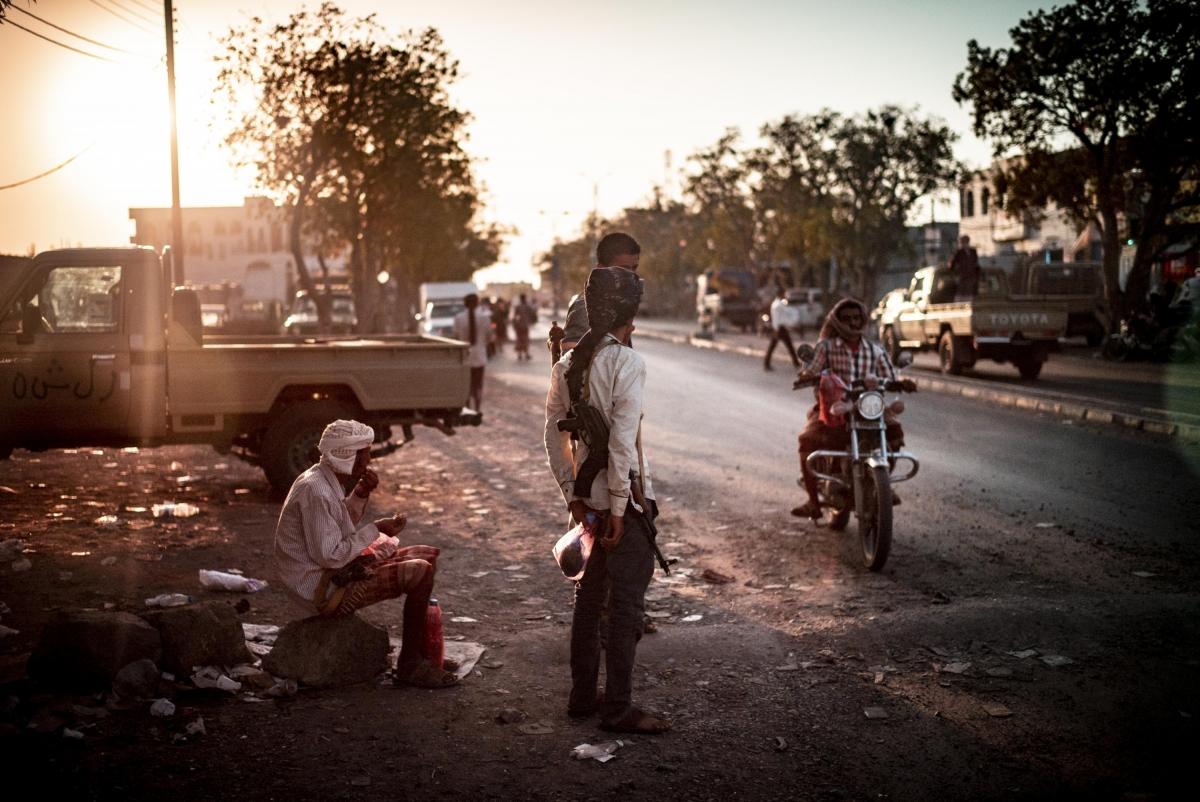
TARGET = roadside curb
(1069,409)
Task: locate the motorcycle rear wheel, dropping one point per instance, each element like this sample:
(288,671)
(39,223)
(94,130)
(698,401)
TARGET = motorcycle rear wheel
(875,521)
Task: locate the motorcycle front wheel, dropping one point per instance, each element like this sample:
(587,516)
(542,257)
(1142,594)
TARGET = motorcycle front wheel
(1115,348)
(875,520)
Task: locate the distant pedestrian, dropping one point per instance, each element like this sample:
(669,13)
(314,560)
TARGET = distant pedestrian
(782,318)
(965,264)
(523,316)
(473,326)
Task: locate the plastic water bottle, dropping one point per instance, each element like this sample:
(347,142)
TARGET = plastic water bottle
(434,643)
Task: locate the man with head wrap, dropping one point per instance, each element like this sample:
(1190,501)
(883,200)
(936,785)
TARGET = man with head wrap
(843,351)
(605,374)
(334,564)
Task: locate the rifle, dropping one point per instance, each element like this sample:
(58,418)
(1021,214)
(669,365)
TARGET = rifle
(635,490)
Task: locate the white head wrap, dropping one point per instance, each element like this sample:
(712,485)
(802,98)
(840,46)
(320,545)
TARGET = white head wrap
(341,441)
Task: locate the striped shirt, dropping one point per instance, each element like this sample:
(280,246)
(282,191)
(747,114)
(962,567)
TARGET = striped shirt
(317,530)
(847,364)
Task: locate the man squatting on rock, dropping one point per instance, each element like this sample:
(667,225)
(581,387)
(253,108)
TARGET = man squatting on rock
(605,373)
(334,566)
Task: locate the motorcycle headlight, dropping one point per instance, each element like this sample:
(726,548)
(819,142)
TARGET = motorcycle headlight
(870,405)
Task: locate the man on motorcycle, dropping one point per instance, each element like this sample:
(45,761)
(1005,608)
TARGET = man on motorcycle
(843,351)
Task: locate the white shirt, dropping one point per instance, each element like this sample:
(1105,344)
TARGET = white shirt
(477,355)
(784,314)
(616,386)
(317,531)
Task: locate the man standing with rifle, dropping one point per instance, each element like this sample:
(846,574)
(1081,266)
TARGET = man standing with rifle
(596,390)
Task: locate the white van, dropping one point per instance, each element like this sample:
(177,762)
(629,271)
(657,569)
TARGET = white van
(440,302)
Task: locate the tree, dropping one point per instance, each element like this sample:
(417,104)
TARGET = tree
(1095,107)
(881,163)
(719,194)
(358,137)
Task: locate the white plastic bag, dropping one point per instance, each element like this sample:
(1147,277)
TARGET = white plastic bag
(234,583)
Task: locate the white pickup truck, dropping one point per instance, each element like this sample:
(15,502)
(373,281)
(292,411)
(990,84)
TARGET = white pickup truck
(97,349)
(992,325)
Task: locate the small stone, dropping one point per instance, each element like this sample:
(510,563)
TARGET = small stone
(875,712)
(510,715)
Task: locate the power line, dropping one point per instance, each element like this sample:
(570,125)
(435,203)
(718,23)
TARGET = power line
(52,170)
(60,44)
(148,7)
(135,12)
(76,35)
(123,18)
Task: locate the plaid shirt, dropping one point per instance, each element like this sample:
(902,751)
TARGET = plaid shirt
(836,356)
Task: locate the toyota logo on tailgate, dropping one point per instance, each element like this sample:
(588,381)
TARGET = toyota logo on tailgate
(1020,319)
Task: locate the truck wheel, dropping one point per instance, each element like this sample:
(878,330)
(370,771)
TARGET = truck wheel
(289,447)
(948,354)
(891,344)
(1028,367)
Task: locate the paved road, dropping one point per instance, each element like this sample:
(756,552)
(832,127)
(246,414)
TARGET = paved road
(1070,539)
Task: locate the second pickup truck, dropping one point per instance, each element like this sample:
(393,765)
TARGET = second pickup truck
(992,325)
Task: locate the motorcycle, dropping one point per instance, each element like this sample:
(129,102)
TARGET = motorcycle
(859,479)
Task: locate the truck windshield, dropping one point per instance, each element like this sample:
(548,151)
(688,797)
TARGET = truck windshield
(449,309)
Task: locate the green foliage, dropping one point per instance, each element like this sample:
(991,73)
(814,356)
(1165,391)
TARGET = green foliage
(1098,102)
(354,130)
(817,187)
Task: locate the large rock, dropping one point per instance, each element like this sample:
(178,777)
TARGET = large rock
(327,652)
(204,634)
(85,650)
(137,680)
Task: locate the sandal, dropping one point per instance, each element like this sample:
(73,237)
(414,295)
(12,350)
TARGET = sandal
(809,509)
(424,674)
(638,722)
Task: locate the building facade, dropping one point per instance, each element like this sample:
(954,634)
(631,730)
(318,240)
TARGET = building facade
(1008,240)
(245,244)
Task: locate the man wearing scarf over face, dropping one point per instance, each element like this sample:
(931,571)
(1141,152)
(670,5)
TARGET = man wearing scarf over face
(604,373)
(843,351)
(334,565)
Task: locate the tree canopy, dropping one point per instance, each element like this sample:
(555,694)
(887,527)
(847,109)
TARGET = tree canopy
(1096,106)
(817,189)
(353,129)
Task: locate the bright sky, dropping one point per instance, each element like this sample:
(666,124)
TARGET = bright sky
(571,100)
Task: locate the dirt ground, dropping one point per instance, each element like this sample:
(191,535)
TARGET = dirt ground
(768,689)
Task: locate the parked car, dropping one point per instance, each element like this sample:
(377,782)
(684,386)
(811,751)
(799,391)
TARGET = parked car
(304,319)
(728,296)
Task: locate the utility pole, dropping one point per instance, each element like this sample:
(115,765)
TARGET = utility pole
(176,212)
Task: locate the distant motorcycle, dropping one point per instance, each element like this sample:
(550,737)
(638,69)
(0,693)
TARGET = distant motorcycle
(1143,337)
(859,479)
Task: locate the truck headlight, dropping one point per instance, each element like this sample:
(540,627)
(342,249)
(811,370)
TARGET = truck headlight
(870,405)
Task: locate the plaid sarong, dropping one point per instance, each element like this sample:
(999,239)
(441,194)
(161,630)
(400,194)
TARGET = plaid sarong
(408,568)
